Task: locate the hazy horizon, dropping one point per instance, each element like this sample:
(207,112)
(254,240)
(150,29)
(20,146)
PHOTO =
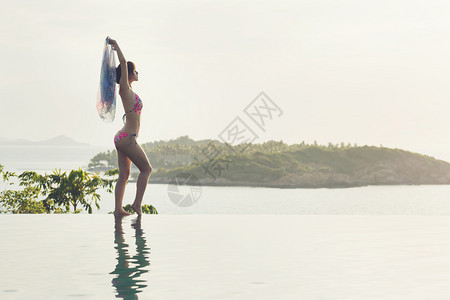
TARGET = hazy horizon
(370,73)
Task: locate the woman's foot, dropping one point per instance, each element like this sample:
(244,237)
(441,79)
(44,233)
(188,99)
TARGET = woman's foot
(137,209)
(121,212)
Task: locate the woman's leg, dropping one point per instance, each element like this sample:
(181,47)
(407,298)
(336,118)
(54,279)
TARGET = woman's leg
(137,155)
(124,173)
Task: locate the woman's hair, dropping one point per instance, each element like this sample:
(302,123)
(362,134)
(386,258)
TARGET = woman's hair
(131,68)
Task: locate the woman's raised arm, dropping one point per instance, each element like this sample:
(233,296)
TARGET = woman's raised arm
(123,65)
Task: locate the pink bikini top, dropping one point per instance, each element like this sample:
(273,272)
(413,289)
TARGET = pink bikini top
(137,108)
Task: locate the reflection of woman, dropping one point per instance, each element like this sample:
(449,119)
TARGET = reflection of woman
(127,282)
(127,148)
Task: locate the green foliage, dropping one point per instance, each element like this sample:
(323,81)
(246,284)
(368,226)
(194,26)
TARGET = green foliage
(183,152)
(54,193)
(104,160)
(22,202)
(276,163)
(76,188)
(146,209)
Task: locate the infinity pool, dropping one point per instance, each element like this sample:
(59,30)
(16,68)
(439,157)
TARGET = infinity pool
(224,257)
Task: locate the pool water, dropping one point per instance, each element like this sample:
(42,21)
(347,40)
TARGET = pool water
(224,257)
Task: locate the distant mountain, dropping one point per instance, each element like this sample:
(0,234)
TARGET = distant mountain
(61,140)
(182,140)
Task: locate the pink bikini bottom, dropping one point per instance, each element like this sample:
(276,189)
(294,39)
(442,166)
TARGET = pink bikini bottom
(122,134)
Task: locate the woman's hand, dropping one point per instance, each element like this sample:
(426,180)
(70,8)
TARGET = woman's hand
(116,47)
(113,43)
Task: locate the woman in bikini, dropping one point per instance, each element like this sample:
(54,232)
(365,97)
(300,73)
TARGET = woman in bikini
(128,150)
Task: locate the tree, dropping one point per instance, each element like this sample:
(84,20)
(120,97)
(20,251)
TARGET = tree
(61,191)
(78,188)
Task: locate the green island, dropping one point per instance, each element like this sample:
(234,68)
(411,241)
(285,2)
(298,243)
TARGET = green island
(279,165)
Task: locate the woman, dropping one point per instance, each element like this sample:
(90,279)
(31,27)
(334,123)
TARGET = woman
(127,148)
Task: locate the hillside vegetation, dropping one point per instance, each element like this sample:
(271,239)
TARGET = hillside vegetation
(276,164)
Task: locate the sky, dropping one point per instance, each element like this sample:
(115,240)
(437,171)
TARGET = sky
(364,72)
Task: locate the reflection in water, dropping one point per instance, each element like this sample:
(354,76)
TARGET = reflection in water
(128,269)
